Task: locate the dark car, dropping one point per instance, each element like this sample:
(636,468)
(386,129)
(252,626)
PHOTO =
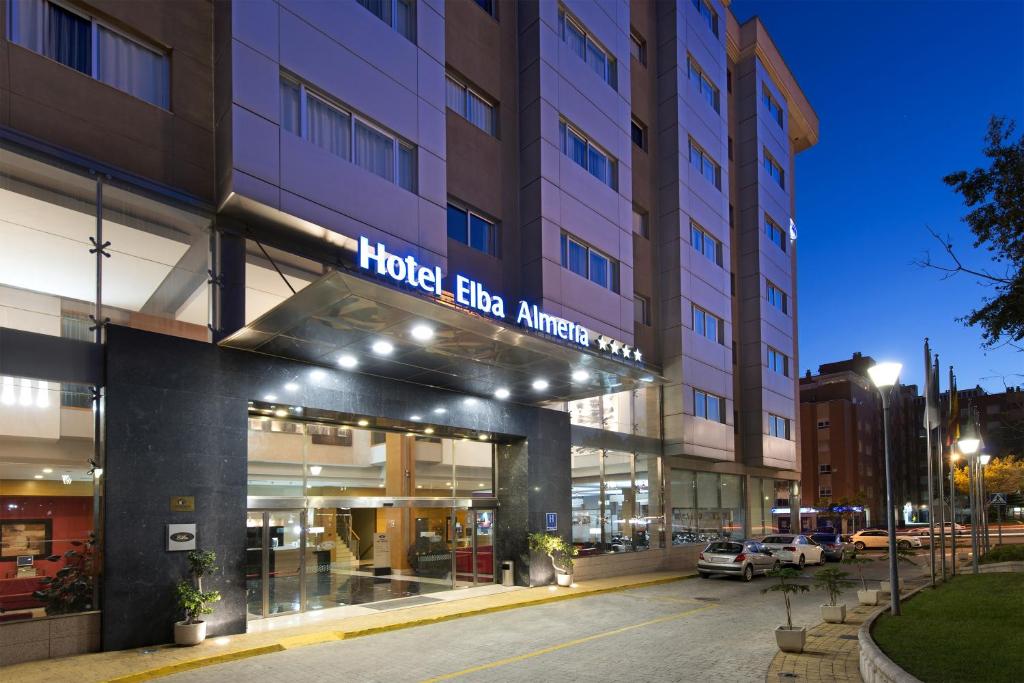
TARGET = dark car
(833,545)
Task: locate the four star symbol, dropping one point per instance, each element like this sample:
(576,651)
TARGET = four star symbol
(617,348)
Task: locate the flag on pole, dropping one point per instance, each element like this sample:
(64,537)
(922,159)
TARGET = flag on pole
(931,402)
(953,428)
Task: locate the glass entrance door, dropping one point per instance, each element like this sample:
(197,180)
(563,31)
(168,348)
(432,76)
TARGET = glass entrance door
(274,557)
(474,551)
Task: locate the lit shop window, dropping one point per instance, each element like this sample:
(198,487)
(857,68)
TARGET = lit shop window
(705,244)
(709,15)
(590,263)
(577,147)
(586,48)
(708,406)
(398,14)
(705,165)
(703,85)
(328,125)
(472,229)
(465,102)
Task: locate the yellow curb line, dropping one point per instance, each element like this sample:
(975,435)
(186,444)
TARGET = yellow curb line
(291,642)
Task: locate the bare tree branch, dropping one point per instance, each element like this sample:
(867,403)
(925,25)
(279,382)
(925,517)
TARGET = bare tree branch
(958,266)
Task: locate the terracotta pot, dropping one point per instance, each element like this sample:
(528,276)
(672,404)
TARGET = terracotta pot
(189,634)
(563,579)
(833,614)
(791,639)
(868,597)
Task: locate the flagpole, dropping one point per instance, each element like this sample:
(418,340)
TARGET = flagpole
(934,370)
(952,491)
(928,451)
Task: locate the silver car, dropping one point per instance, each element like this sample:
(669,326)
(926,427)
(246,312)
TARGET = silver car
(735,558)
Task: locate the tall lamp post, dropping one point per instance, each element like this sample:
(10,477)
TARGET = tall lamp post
(969,445)
(884,376)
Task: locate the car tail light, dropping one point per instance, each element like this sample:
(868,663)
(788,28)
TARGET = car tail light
(702,556)
(790,548)
(740,558)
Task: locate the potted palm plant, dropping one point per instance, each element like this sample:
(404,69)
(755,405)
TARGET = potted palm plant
(903,554)
(854,559)
(193,601)
(833,581)
(789,639)
(553,545)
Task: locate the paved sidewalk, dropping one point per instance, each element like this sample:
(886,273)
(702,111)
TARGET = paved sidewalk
(148,663)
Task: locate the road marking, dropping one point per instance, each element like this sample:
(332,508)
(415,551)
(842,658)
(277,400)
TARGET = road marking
(567,644)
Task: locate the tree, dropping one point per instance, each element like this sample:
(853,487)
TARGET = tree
(1002,475)
(995,196)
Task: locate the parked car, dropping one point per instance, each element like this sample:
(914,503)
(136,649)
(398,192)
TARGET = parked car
(879,538)
(831,544)
(744,559)
(795,549)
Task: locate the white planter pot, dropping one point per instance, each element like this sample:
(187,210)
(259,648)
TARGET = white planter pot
(189,634)
(833,614)
(791,639)
(868,597)
(887,587)
(563,579)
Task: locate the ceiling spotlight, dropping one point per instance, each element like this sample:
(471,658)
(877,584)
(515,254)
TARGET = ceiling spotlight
(422,333)
(315,470)
(270,397)
(382,348)
(47,470)
(469,401)
(580,376)
(281,412)
(646,378)
(348,361)
(363,423)
(428,430)
(38,476)
(440,411)
(419,486)
(540,384)
(502,393)
(291,386)
(317,375)
(483,437)
(415,418)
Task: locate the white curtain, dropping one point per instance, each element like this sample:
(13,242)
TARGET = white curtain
(128,66)
(480,114)
(328,127)
(406,167)
(290,106)
(27,23)
(374,151)
(456,97)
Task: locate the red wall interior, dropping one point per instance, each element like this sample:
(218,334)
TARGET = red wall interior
(72,521)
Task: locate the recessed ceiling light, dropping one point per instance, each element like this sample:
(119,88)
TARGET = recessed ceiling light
(447,483)
(380,486)
(580,376)
(382,348)
(646,378)
(540,384)
(317,375)
(428,430)
(281,412)
(502,393)
(291,386)
(422,333)
(415,418)
(483,437)
(440,411)
(315,470)
(419,486)
(481,485)
(39,476)
(270,397)
(47,470)
(363,423)
(469,401)
(348,361)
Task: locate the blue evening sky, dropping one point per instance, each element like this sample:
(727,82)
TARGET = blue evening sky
(903,91)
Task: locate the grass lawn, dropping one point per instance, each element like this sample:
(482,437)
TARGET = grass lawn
(970,629)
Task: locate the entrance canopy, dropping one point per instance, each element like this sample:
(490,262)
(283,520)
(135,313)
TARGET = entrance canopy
(343,320)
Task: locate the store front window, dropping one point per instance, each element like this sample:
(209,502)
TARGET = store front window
(706,506)
(631,412)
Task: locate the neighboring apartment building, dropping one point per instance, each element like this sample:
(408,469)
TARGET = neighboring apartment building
(395,283)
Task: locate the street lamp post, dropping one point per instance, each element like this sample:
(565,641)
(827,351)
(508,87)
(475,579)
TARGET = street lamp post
(884,376)
(969,447)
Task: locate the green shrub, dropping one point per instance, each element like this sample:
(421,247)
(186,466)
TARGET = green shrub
(1003,553)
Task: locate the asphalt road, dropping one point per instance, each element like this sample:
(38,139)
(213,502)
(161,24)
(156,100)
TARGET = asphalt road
(692,630)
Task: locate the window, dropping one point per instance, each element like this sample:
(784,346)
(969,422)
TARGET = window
(641,309)
(398,14)
(80,42)
(824,492)
(708,14)
(708,325)
(775,234)
(774,169)
(771,104)
(778,362)
(583,152)
(708,406)
(330,127)
(778,426)
(825,468)
(638,132)
(705,165)
(728,80)
(777,298)
(641,222)
(702,84)
(469,105)
(590,263)
(824,424)
(706,244)
(472,229)
(638,48)
(584,47)
(487,6)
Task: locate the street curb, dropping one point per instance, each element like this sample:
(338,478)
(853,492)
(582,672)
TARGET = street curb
(875,665)
(318,637)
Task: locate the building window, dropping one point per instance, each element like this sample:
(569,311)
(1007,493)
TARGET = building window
(586,48)
(709,15)
(825,492)
(825,468)
(578,148)
(776,297)
(590,263)
(472,229)
(771,104)
(706,244)
(398,14)
(708,325)
(778,426)
(702,84)
(638,132)
(81,42)
(638,48)
(824,424)
(728,80)
(641,222)
(708,406)
(774,169)
(705,165)
(775,234)
(469,105)
(778,362)
(487,5)
(342,133)
(642,310)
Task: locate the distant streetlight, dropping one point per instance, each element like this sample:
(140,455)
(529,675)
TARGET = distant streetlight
(969,445)
(884,376)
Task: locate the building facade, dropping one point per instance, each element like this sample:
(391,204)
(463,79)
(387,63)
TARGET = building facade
(357,294)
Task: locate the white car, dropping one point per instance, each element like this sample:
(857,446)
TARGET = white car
(795,549)
(879,538)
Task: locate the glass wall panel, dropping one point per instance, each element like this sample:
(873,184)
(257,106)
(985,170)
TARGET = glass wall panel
(586,500)
(620,500)
(631,412)
(474,467)
(265,288)
(706,506)
(650,519)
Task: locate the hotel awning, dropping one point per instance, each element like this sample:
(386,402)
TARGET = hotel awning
(342,316)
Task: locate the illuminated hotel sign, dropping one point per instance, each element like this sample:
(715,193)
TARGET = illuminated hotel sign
(473,295)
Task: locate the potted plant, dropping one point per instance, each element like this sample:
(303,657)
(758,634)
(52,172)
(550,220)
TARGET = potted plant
(552,545)
(853,558)
(833,581)
(790,639)
(903,554)
(193,601)
(71,588)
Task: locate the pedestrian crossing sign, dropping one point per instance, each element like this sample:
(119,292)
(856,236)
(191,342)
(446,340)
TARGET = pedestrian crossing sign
(998,499)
